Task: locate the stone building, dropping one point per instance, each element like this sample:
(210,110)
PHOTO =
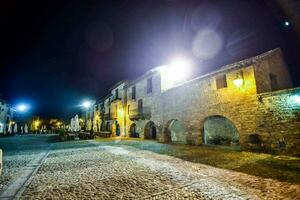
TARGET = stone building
(250,104)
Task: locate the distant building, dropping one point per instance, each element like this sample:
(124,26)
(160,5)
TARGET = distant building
(250,103)
(6,116)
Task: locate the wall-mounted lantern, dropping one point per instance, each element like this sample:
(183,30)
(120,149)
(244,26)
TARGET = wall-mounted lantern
(239,80)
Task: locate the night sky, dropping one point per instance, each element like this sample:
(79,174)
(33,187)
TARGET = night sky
(56,53)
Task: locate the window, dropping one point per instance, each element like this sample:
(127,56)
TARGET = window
(133,92)
(274,83)
(149,85)
(221,82)
(140,106)
(117,93)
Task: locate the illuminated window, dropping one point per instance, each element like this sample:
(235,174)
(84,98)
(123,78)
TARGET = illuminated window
(221,82)
(149,85)
(133,92)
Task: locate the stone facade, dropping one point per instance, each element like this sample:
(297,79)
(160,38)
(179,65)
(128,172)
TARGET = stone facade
(251,95)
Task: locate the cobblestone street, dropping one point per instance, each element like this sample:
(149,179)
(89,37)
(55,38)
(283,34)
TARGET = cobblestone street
(93,170)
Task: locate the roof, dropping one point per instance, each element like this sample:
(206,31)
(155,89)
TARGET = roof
(118,84)
(234,66)
(225,68)
(148,73)
(251,60)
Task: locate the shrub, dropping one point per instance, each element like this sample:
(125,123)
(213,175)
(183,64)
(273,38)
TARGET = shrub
(62,135)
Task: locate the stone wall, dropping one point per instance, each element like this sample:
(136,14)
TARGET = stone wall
(273,116)
(150,102)
(278,122)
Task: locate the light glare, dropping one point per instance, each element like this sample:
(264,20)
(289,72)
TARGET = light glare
(238,82)
(179,69)
(87,104)
(22,108)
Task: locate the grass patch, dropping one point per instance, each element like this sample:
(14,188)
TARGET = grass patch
(282,168)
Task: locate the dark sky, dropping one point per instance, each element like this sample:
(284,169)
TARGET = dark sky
(56,53)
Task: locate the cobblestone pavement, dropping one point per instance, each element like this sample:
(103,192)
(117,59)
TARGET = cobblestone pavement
(18,152)
(120,172)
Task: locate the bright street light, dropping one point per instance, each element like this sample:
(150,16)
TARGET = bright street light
(87,104)
(179,69)
(22,108)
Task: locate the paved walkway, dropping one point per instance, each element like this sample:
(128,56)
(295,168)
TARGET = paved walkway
(22,157)
(93,170)
(121,172)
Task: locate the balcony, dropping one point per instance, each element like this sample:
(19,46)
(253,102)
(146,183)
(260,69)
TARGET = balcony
(144,113)
(107,116)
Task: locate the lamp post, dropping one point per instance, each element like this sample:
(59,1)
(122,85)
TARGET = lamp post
(87,105)
(21,109)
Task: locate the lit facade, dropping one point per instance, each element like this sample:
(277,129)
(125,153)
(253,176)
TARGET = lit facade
(254,97)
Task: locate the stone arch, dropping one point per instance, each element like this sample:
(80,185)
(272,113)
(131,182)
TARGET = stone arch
(174,131)
(97,126)
(219,130)
(150,130)
(133,131)
(117,128)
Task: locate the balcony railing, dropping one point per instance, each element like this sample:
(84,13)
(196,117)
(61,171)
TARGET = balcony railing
(143,113)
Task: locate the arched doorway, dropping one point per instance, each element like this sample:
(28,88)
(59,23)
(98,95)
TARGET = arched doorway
(133,132)
(219,130)
(102,126)
(108,127)
(97,126)
(118,131)
(150,131)
(175,131)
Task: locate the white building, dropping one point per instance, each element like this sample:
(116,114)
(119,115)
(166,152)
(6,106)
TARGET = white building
(6,114)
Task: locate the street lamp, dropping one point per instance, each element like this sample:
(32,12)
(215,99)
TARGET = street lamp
(22,108)
(239,80)
(179,69)
(87,104)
